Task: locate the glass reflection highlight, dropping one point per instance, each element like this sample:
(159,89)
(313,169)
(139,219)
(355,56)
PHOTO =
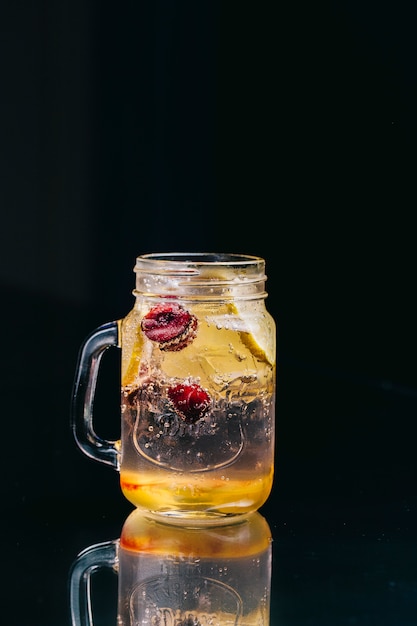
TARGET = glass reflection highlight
(176,575)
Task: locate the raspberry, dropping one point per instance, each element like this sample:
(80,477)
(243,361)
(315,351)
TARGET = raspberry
(170,325)
(191,402)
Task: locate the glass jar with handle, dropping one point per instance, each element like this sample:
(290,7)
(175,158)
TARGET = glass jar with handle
(198,376)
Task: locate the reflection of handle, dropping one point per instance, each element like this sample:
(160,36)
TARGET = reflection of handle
(84,388)
(87,562)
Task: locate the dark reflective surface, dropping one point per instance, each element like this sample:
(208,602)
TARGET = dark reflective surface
(343,513)
(330,566)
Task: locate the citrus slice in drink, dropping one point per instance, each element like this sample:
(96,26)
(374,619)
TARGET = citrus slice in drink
(133,345)
(131,371)
(247,317)
(256,337)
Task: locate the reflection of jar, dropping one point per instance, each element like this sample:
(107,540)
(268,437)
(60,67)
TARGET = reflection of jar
(171,575)
(197,387)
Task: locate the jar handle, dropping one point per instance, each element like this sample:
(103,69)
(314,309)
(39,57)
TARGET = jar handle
(89,357)
(88,561)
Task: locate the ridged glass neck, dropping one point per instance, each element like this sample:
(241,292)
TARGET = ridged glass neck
(200,276)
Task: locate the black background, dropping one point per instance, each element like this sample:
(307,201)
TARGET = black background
(287,131)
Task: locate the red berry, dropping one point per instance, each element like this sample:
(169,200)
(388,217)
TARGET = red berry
(191,402)
(170,325)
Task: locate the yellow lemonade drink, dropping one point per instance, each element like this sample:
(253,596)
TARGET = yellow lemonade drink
(198,400)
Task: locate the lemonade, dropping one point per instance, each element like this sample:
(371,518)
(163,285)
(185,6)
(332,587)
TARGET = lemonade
(198,398)
(198,373)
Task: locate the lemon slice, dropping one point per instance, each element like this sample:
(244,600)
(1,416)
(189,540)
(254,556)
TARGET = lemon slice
(256,328)
(129,375)
(259,338)
(133,345)
(253,325)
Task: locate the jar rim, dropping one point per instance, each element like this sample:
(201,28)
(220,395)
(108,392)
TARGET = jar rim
(201,258)
(226,275)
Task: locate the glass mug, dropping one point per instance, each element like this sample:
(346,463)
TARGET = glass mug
(172,575)
(198,354)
